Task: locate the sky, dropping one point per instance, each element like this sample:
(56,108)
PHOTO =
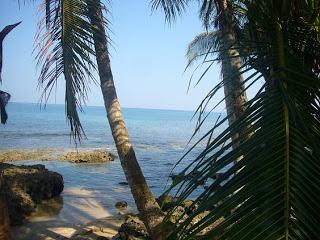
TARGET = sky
(147,57)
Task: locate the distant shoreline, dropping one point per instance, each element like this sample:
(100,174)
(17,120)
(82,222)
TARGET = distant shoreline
(136,108)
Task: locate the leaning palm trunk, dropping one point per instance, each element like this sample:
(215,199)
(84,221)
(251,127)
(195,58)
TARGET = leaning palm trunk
(145,201)
(234,90)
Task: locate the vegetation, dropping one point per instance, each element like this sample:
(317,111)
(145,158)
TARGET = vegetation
(4,99)
(273,191)
(72,34)
(268,184)
(221,44)
(4,96)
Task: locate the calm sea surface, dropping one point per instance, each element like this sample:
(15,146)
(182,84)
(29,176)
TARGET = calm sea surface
(159,137)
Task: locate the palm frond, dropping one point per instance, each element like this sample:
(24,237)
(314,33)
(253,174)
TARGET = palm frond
(273,191)
(171,8)
(208,11)
(4,32)
(4,96)
(65,47)
(203,45)
(4,99)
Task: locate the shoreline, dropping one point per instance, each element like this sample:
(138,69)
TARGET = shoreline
(76,212)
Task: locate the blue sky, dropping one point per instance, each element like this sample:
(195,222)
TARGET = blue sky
(148,57)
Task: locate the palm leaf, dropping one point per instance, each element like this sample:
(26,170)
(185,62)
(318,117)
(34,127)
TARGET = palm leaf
(4,99)
(202,46)
(5,31)
(4,96)
(64,44)
(274,190)
(171,8)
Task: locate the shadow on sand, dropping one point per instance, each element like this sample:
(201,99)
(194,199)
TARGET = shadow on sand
(63,217)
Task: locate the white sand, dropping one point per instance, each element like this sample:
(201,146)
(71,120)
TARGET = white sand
(57,219)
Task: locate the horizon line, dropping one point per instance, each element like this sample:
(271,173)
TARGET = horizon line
(166,109)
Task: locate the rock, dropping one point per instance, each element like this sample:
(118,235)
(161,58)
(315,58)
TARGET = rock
(89,237)
(166,202)
(102,238)
(200,216)
(27,186)
(187,203)
(82,238)
(121,205)
(124,183)
(80,156)
(132,229)
(95,156)
(189,206)
(178,215)
(24,154)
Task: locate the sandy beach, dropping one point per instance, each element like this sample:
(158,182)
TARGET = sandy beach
(79,214)
(77,211)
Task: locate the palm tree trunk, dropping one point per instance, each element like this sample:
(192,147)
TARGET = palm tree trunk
(145,201)
(234,88)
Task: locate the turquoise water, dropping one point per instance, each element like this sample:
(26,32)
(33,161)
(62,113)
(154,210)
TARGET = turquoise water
(159,137)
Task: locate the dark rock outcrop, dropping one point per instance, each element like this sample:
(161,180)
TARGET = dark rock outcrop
(166,202)
(121,205)
(132,229)
(26,186)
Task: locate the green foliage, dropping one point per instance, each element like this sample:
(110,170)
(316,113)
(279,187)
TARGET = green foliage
(4,96)
(203,46)
(172,8)
(64,43)
(269,186)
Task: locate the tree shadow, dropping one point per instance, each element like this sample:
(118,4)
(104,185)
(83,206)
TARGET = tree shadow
(66,216)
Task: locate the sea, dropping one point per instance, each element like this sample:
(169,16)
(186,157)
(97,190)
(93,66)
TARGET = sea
(160,138)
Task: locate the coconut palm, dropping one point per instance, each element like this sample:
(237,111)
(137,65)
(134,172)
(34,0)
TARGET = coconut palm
(218,16)
(274,190)
(4,96)
(71,35)
(4,99)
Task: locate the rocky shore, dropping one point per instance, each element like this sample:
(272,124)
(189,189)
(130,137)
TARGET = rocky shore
(131,227)
(27,186)
(80,156)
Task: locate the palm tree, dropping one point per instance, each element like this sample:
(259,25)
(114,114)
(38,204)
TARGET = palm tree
(74,33)
(145,201)
(4,96)
(216,14)
(4,99)
(274,190)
